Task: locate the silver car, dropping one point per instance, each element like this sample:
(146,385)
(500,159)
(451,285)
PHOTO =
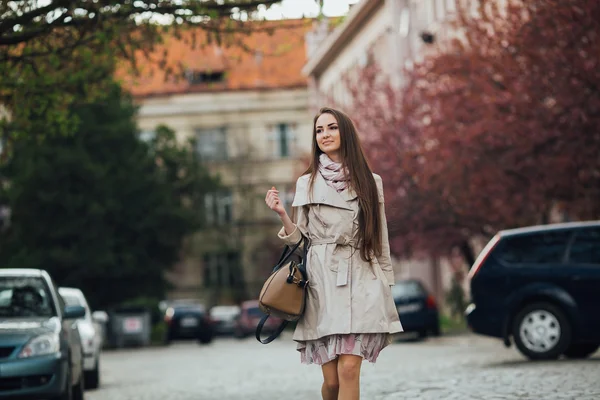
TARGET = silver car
(90,332)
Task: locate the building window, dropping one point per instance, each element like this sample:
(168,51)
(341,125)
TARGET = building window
(283,139)
(220,269)
(212,144)
(404,27)
(204,77)
(430,12)
(439,10)
(218,207)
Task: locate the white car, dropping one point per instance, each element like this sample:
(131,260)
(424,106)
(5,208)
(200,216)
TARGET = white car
(223,318)
(91,335)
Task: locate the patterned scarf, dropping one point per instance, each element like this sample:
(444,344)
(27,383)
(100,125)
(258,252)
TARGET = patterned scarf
(332,172)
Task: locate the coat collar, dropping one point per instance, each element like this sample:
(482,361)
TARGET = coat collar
(322,193)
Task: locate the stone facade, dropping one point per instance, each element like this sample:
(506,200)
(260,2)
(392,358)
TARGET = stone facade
(249,113)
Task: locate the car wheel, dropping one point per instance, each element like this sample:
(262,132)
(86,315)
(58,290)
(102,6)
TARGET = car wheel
(541,331)
(205,337)
(92,378)
(238,334)
(167,339)
(581,350)
(78,389)
(435,331)
(67,393)
(422,334)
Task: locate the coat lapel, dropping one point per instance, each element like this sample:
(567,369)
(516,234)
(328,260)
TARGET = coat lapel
(322,193)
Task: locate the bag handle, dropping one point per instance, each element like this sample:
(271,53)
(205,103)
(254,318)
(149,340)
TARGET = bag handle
(285,255)
(274,335)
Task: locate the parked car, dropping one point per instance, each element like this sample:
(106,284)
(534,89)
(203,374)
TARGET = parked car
(41,354)
(91,336)
(540,286)
(223,319)
(188,321)
(247,321)
(417,308)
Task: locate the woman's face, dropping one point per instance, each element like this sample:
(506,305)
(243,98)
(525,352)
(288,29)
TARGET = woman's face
(328,135)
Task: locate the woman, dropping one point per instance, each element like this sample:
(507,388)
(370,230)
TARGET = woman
(350,313)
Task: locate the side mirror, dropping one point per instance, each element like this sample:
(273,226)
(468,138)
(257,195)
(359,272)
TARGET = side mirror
(100,317)
(74,312)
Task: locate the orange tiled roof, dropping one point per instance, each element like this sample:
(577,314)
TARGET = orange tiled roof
(262,62)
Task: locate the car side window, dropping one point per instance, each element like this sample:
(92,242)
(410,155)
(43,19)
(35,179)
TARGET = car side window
(586,247)
(537,248)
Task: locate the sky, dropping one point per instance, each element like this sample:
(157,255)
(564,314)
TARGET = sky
(307,8)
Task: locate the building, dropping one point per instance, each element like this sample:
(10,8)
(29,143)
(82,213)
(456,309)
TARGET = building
(247,106)
(394,34)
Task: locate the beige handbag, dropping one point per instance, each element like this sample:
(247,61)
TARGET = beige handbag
(283,295)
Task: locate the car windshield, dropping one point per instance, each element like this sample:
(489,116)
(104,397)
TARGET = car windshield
(24,296)
(407,289)
(189,308)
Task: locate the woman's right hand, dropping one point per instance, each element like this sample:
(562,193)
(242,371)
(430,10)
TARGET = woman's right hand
(274,203)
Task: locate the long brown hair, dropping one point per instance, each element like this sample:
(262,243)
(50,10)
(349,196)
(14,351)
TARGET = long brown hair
(361,181)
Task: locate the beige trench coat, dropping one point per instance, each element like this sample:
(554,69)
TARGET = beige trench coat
(345,294)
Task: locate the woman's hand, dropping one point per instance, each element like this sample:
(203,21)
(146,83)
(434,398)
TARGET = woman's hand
(274,202)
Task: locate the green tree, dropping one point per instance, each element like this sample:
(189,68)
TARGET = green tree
(98,209)
(180,167)
(47,49)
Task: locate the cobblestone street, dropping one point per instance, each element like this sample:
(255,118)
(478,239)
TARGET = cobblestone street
(462,367)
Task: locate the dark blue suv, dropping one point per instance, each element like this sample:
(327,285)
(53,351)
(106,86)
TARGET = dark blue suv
(540,285)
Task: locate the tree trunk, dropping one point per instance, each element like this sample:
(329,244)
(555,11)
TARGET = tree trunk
(467,252)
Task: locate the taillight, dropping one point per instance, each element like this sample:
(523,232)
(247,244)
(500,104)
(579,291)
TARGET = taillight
(487,250)
(430,302)
(169,315)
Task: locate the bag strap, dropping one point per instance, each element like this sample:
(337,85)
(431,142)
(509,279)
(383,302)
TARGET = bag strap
(286,254)
(274,335)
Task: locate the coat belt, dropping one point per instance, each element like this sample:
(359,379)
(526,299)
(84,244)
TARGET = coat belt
(344,266)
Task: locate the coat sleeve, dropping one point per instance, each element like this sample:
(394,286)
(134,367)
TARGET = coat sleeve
(301,228)
(301,210)
(385,260)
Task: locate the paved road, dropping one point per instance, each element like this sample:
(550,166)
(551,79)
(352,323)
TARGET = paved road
(463,367)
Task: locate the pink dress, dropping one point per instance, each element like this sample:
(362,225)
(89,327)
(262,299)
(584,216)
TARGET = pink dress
(328,348)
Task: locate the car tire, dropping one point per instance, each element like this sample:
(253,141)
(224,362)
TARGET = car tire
(68,390)
(205,337)
(435,331)
(167,339)
(422,334)
(78,389)
(238,334)
(541,331)
(92,378)
(581,350)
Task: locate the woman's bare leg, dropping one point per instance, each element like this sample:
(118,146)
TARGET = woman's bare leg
(348,369)
(331,384)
